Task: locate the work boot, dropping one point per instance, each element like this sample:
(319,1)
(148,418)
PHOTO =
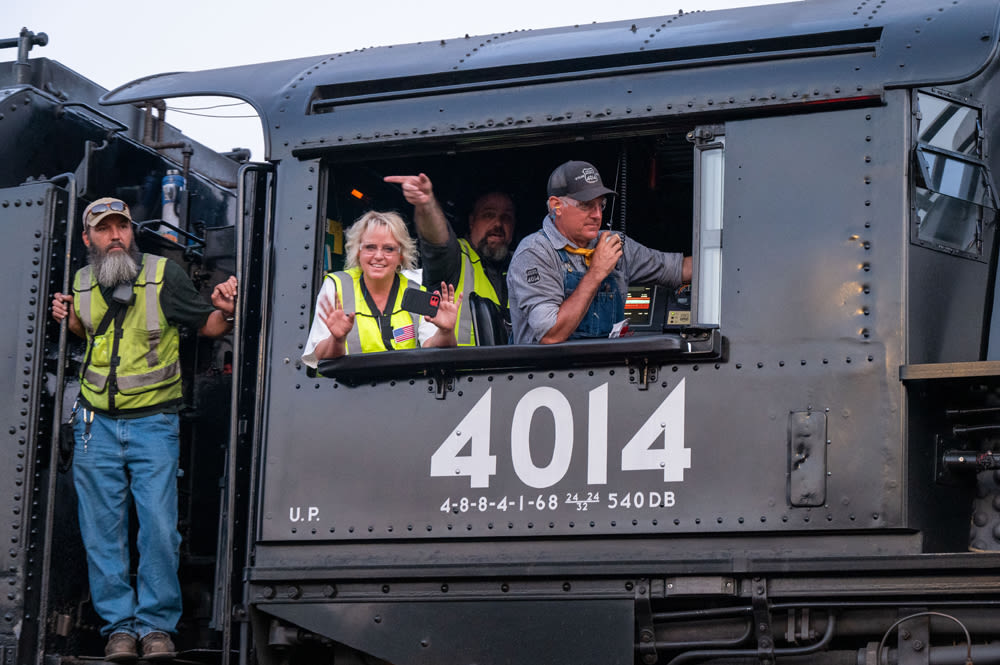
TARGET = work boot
(120,648)
(158,646)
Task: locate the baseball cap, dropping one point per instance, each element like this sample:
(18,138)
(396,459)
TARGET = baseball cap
(104,207)
(577,180)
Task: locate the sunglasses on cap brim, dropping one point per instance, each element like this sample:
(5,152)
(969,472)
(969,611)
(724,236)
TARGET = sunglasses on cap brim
(114,206)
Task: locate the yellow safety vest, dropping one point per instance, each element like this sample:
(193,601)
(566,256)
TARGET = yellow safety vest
(365,336)
(140,367)
(472,278)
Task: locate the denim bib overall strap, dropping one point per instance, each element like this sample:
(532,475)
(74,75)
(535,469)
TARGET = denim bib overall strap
(606,309)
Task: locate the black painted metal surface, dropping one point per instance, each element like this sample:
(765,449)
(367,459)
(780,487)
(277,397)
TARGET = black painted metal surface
(582,630)
(29,215)
(571,451)
(513,506)
(739,58)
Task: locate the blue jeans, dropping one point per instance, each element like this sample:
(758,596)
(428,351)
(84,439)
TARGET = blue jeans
(123,460)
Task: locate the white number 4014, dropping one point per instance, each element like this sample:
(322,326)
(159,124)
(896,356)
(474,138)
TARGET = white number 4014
(657,445)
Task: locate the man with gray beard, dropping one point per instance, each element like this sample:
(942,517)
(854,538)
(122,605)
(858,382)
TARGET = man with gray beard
(477,263)
(128,307)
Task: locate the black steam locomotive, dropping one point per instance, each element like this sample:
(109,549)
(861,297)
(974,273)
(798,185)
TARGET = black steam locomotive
(791,462)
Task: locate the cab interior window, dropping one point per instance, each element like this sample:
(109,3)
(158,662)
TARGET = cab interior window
(954,194)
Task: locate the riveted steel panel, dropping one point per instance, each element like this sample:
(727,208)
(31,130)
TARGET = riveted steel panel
(26,215)
(643,68)
(526,454)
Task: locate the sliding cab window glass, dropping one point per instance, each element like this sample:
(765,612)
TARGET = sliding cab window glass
(954,194)
(710,151)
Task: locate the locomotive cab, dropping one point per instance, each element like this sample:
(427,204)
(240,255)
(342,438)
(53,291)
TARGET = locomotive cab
(779,465)
(770,454)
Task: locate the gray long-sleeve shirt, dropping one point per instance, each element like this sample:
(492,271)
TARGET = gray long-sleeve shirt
(535,277)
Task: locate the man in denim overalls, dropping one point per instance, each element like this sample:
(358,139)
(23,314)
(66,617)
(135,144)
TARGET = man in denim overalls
(569,280)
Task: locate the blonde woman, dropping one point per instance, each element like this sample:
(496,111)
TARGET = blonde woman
(359,310)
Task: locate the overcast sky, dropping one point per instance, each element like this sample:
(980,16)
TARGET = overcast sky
(113,42)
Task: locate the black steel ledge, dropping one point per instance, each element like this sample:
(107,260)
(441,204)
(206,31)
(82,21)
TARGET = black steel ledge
(680,345)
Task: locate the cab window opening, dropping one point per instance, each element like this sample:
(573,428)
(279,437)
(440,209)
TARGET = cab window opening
(653,175)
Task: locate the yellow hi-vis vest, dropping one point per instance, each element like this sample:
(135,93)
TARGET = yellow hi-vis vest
(365,336)
(472,278)
(140,367)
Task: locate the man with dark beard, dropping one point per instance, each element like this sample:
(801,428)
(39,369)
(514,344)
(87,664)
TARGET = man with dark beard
(128,306)
(474,264)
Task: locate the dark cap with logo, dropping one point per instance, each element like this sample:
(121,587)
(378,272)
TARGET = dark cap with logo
(577,180)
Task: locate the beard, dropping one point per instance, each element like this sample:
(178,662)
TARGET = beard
(114,268)
(494,253)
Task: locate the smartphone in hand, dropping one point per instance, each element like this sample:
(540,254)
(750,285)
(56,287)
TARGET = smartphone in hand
(421,302)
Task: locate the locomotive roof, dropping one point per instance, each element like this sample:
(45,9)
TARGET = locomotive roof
(755,53)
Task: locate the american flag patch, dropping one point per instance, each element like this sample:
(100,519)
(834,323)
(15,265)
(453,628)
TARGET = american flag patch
(403,334)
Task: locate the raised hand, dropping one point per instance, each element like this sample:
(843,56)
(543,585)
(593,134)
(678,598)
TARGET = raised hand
(417,189)
(336,320)
(447,314)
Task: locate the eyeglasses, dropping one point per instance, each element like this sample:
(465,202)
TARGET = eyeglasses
(588,206)
(115,206)
(388,250)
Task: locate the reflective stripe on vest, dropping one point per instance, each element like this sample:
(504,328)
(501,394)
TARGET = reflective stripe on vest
(148,372)
(365,334)
(471,273)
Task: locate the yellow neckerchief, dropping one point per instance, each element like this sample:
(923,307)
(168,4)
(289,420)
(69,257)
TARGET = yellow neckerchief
(585,253)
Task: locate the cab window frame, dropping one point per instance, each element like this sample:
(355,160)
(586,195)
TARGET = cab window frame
(963,231)
(673,343)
